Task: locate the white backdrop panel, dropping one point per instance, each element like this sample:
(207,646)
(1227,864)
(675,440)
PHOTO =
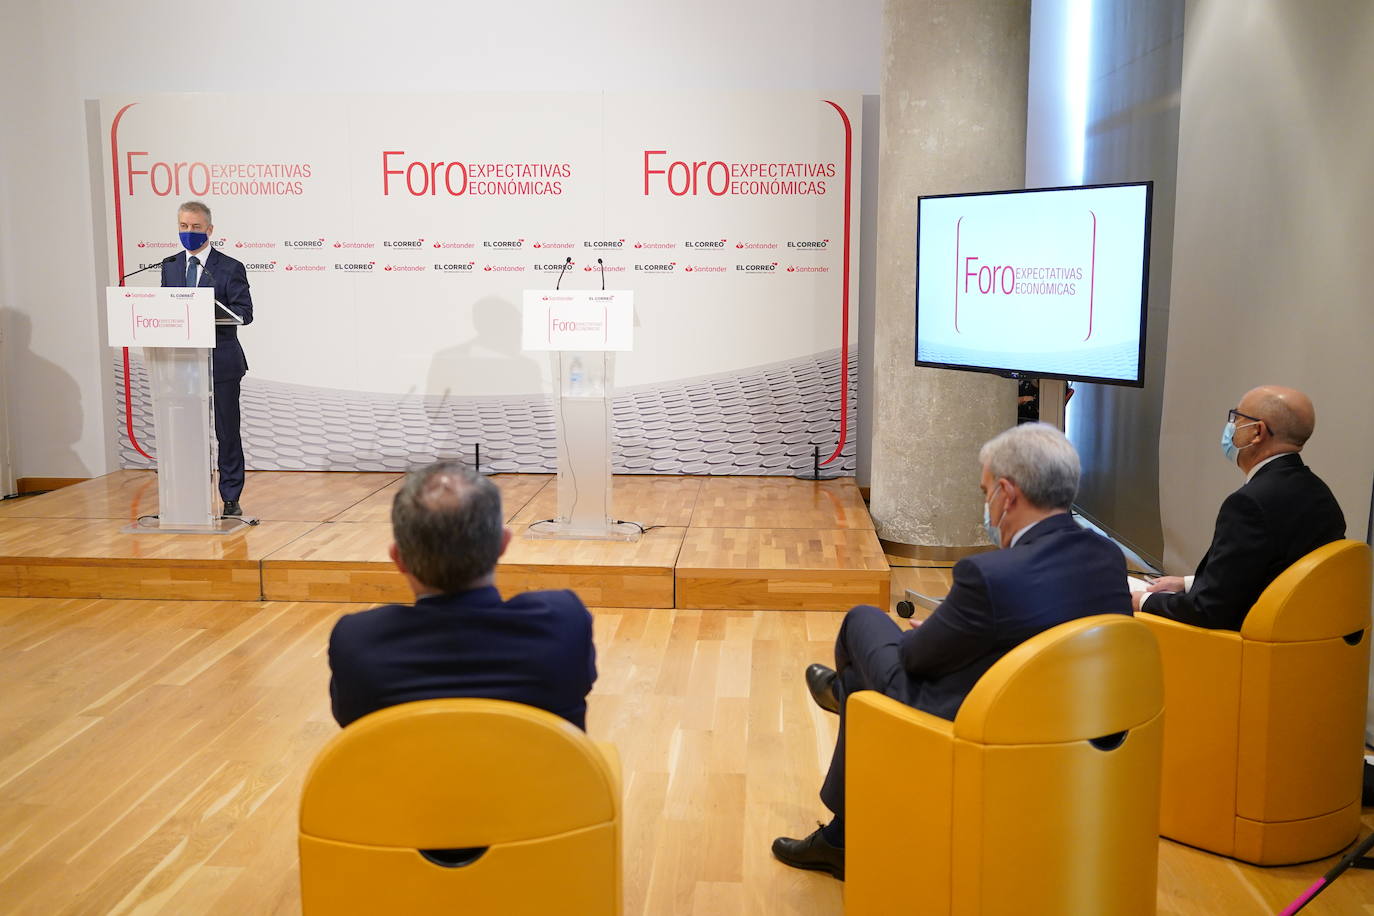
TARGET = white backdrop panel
(388,239)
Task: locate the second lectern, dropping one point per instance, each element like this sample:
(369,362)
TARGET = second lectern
(582,331)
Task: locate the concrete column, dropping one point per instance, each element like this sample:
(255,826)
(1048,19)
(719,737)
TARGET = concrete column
(953,119)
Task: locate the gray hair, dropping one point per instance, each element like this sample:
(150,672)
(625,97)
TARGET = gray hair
(195,206)
(1038,459)
(447,522)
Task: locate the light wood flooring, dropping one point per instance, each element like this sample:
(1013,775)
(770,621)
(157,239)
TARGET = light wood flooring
(151,757)
(714,542)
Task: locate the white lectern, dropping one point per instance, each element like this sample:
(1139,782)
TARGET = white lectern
(176,329)
(582,331)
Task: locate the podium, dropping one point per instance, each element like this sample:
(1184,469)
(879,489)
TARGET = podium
(176,329)
(582,331)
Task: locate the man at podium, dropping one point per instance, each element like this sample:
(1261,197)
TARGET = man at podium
(203,265)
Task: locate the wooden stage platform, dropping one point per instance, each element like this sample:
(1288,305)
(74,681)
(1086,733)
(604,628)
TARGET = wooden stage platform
(722,542)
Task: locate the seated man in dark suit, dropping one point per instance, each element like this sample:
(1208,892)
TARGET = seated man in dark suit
(1282,513)
(459,639)
(1050,571)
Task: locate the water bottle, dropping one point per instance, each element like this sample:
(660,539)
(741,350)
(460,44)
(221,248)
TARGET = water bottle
(576,376)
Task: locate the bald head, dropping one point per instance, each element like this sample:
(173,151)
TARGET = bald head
(447,523)
(1287,412)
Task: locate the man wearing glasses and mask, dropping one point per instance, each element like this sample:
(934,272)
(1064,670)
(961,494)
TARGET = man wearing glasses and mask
(1282,513)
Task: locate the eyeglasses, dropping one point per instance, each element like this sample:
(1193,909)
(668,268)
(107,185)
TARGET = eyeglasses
(1233,413)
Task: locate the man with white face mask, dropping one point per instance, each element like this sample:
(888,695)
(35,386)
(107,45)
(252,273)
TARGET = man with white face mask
(1049,571)
(1282,513)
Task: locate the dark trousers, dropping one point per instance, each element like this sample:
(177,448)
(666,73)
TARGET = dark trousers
(230,445)
(866,658)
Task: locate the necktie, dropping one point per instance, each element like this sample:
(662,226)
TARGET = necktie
(191,264)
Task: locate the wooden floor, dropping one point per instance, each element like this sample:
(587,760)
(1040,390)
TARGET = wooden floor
(714,542)
(151,757)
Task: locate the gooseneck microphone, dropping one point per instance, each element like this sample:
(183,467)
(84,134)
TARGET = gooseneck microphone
(167,260)
(222,311)
(603,274)
(562,272)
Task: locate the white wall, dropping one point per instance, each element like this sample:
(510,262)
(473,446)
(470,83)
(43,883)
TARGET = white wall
(1272,247)
(1127,132)
(7,477)
(65,53)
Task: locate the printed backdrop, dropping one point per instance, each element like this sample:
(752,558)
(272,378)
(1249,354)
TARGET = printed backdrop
(388,241)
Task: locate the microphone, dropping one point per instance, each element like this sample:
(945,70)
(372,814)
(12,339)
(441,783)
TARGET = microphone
(603,274)
(563,271)
(167,260)
(222,311)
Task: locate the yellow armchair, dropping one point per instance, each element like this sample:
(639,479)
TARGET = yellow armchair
(1042,796)
(1264,738)
(461,805)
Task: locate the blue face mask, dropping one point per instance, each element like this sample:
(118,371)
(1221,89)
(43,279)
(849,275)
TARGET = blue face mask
(194,241)
(1229,447)
(994,531)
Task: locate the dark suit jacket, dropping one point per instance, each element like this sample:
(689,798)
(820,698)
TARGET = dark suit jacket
(230,281)
(1057,572)
(1282,514)
(535,649)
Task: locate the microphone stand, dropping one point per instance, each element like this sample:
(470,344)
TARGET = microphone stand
(133,273)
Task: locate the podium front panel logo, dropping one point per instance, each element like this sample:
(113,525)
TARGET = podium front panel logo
(578,320)
(172,317)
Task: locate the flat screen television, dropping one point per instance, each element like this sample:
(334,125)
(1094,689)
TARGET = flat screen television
(1041,283)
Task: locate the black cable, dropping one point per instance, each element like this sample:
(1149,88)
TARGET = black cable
(642,529)
(247,523)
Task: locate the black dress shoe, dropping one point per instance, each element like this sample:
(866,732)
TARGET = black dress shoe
(820,680)
(232,507)
(812,853)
